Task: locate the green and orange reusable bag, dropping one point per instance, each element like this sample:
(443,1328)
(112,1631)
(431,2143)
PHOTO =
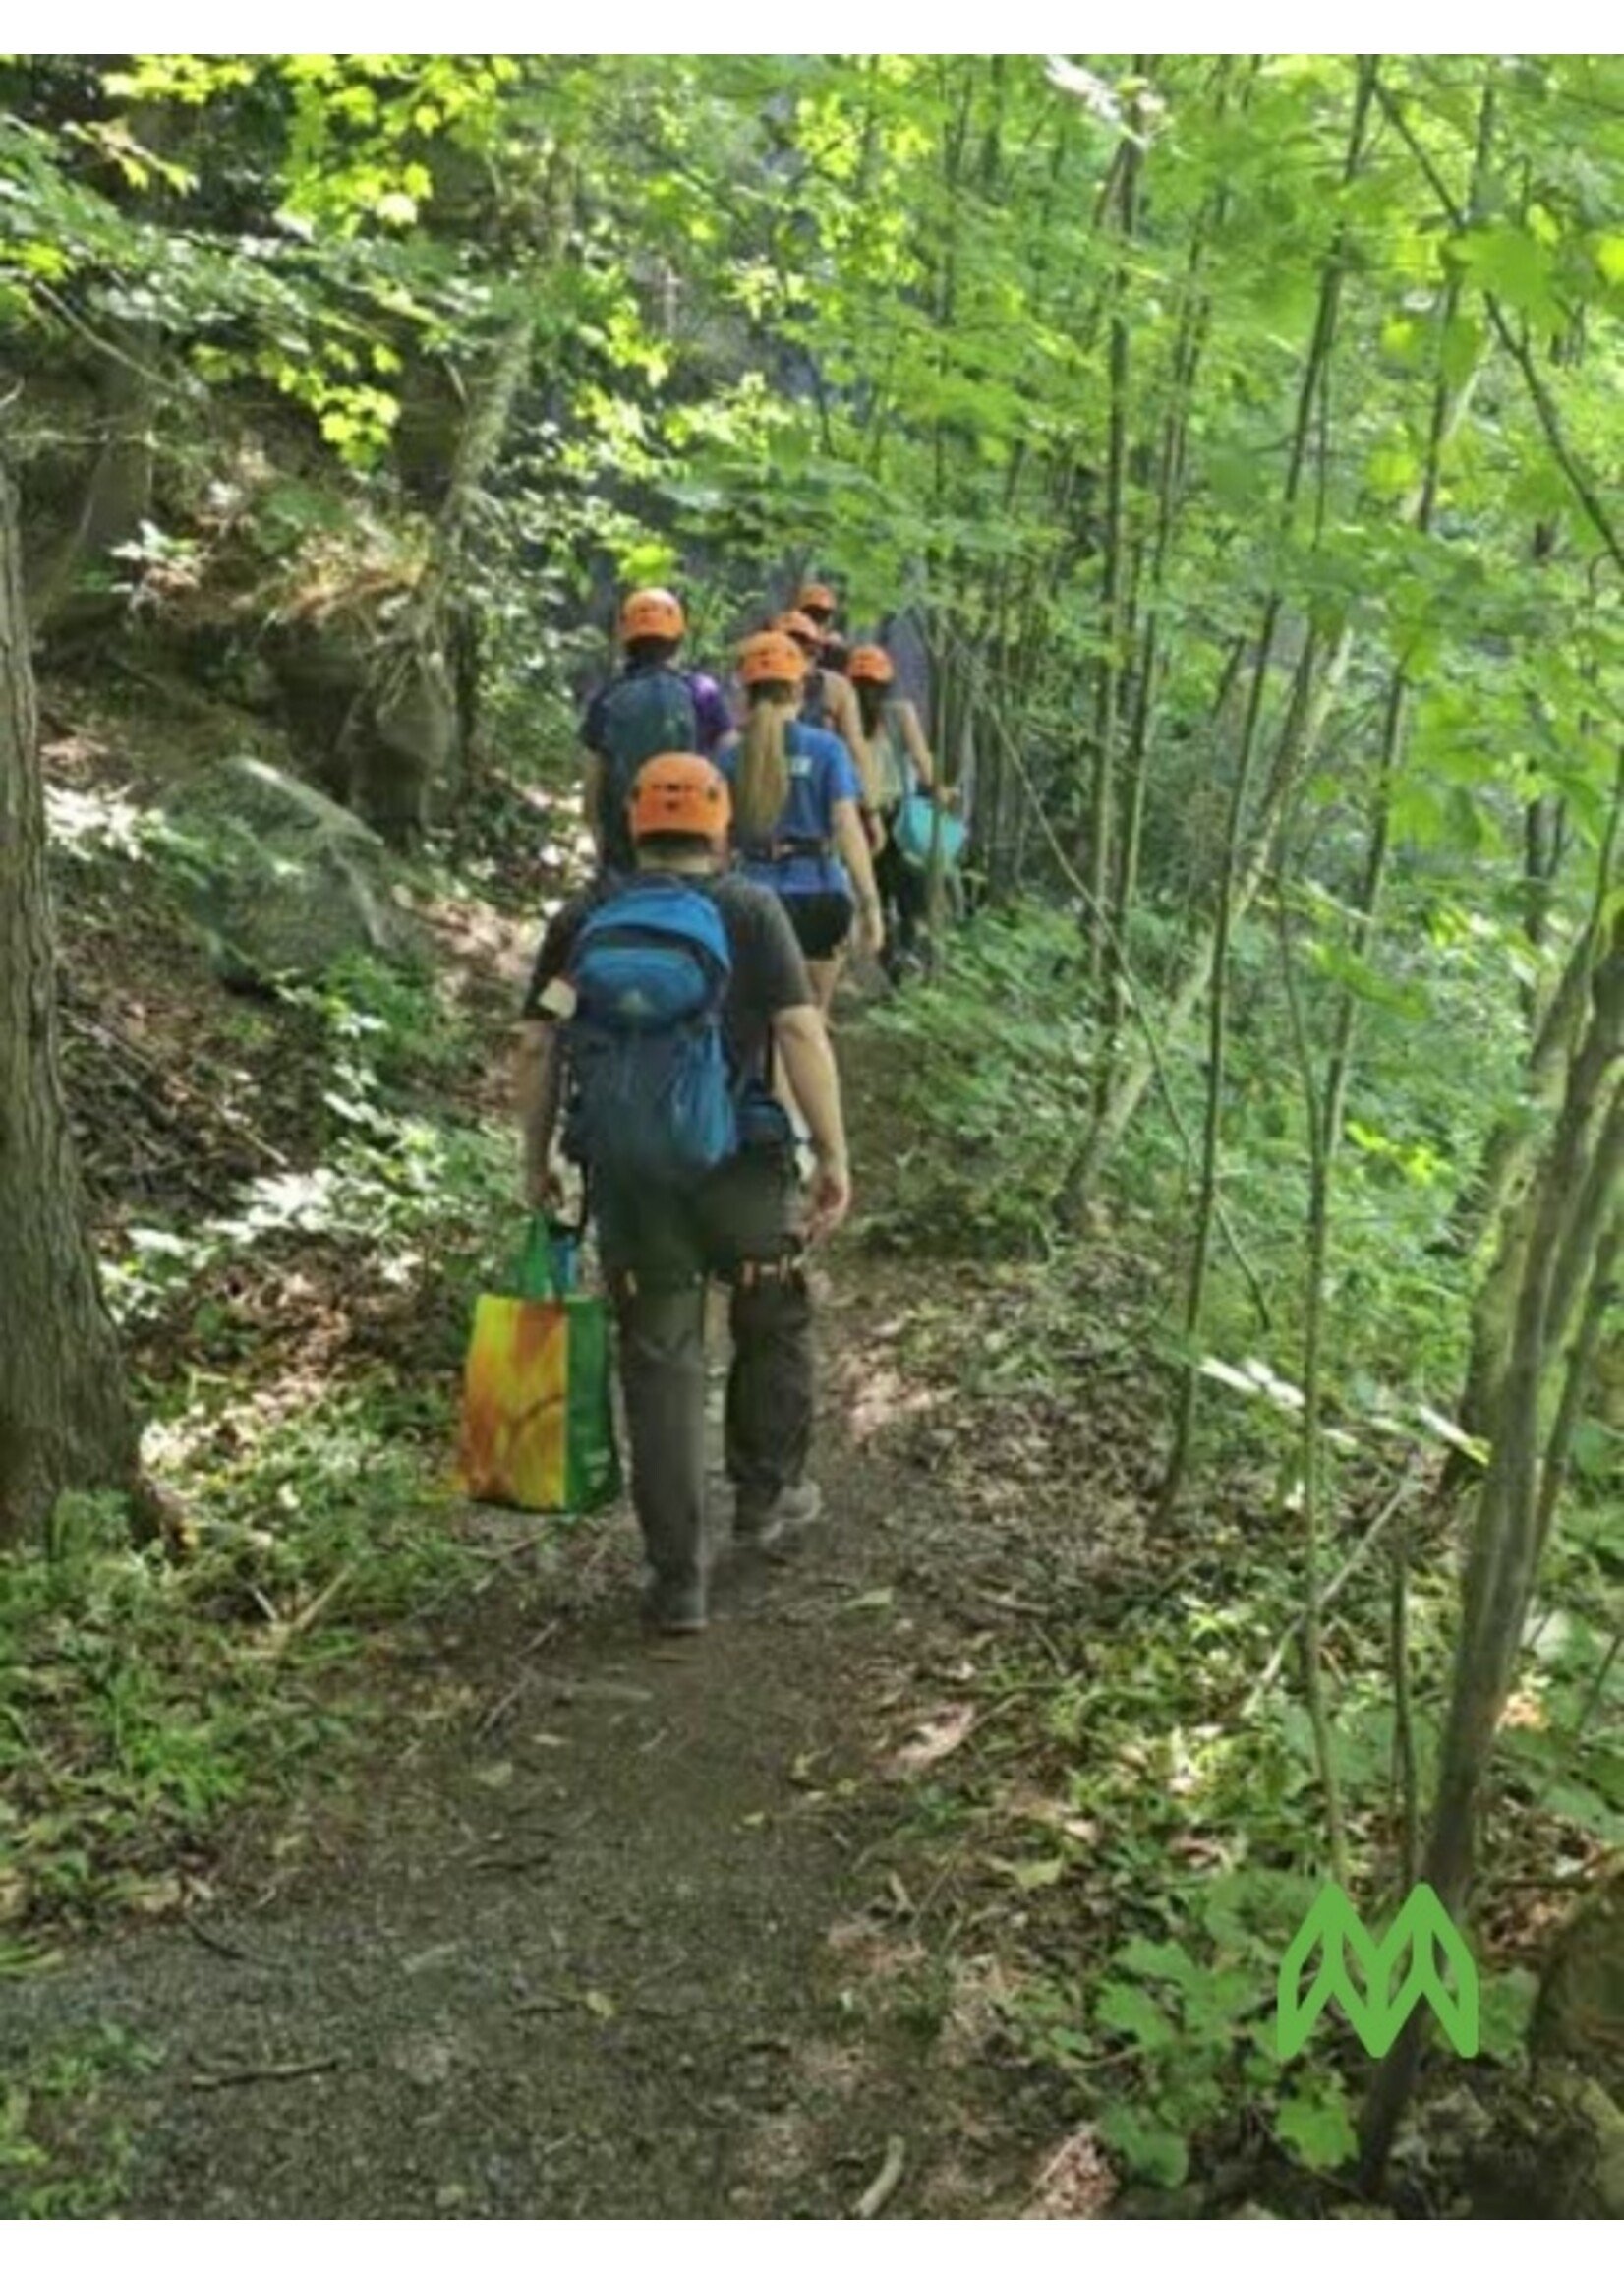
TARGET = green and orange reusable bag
(537,1422)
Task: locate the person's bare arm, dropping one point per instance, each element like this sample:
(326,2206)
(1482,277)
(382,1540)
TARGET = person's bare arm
(538,1086)
(849,724)
(913,738)
(802,1048)
(852,842)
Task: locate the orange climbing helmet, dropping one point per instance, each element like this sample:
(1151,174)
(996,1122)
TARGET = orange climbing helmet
(652,614)
(873,664)
(816,598)
(799,627)
(679,795)
(771,657)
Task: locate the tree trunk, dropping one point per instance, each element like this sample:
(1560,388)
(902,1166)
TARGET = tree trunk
(1573,1206)
(64,1417)
(1102,977)
(1498,1197)
(1299,742)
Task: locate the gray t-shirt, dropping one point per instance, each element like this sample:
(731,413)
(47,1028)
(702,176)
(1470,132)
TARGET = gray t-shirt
(769,969)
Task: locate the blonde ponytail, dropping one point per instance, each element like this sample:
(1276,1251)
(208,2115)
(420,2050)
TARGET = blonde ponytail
(763,784)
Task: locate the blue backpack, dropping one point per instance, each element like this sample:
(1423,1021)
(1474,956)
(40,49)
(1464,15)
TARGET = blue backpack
(644,715)
(653,1099)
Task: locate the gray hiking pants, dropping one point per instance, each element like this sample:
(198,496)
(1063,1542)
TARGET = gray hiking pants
(658,1252)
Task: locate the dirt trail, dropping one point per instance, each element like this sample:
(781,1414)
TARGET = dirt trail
(601,1955)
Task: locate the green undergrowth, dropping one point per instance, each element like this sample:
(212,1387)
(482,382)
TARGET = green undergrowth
(1133,1827)
(296,1356)
(1138,1796)
(63,2153)
(992,1071)
(147,1693)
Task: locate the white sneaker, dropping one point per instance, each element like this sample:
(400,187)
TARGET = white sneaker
(797,1507)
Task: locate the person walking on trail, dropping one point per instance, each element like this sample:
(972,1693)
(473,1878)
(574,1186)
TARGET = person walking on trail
(797,828)
(829,703)
(658,1008)
(902,765)
(651,706)
(818,604)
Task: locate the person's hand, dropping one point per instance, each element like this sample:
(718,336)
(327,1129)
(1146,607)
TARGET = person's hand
(874,828)
(830,1200)
(544,1190)
(871,932)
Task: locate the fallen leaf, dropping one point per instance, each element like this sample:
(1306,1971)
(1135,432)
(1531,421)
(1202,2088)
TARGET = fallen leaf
(498,1773)
(1076,2183)
(599,2002)
(934,1740)
(157,1898)
(1041,1870)
(877,1598)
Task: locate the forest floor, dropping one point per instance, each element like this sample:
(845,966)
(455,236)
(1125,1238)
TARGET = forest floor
(570,1922)
(605,1928)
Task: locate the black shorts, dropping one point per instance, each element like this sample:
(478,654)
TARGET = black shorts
(821,922)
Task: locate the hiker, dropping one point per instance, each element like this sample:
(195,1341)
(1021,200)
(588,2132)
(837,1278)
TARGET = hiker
(658,1008)
(828,702)
(798,826)
(901,766)
(652,706)
(818,601)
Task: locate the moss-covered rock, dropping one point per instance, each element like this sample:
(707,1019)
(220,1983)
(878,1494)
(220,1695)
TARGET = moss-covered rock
(283,880)
(1579,2015)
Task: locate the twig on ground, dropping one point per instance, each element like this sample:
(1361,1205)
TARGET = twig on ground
(886,2181)
(272,2073)
(216,1943)
(313,1609)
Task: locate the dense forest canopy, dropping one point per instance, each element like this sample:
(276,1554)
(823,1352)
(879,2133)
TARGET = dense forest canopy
(1231,450)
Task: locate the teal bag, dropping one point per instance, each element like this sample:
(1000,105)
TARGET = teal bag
(914,829)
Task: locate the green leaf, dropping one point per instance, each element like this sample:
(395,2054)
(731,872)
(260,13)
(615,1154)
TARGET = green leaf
(1512,264)
(1132,2012)
(1362,979)
(1461,349)
(1152,2150)
(1315,2124)
(1505,2001)
(1163,1961)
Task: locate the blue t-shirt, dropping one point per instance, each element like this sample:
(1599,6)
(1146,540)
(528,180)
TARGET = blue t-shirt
(821,776)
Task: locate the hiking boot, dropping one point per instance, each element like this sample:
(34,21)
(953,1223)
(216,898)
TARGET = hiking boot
(795,1507)
(674,1609)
